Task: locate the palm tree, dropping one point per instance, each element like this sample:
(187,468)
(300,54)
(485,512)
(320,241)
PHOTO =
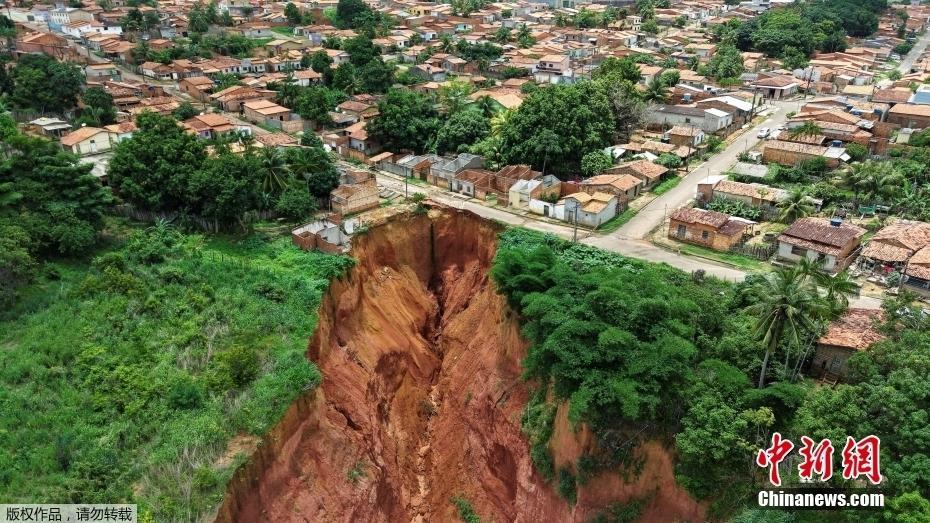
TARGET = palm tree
(446,44)
(486,106)
(276,170)
(795,205)
(499,121)
(809,128)
(874,179)
(656,91)
(788,306)
(839,288)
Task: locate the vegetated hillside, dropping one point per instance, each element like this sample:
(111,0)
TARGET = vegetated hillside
(124,379)
(629,351)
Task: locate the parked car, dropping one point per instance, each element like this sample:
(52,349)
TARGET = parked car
(764,132)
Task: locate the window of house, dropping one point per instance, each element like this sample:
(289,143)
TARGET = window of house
(798,251)
(681,230)
(705,235)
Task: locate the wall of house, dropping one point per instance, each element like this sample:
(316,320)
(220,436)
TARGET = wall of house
(828,261)
(694,233)
(830,358)
(551,210)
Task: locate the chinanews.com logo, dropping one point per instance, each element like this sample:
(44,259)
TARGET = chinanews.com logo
(860,461)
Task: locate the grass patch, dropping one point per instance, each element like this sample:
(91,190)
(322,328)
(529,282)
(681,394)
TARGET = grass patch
(124,378)
(617,221)
(416,181)
(465,510)
(667,185)
(259,42)
(283,30)
(729,258)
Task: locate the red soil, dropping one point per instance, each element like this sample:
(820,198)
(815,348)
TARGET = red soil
(421,401)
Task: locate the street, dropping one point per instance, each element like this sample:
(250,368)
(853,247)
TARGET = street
(910,58)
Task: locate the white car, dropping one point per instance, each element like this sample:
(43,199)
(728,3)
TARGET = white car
(763,132)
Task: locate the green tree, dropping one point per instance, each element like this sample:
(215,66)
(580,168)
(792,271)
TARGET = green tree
(152,170)
(453,96)
(346,79)
(656,91)
(595,162)
(788,307)
(45,85)
(98,107)
(315,167)
(461,130)
(185,111)
(296,203)
(796,205)
(625,68)
(407,120)
(292,14)
(58,203)
(579,116)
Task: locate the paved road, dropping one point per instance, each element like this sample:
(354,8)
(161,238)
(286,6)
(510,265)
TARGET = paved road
(639,249)
(653,214)
(910,58)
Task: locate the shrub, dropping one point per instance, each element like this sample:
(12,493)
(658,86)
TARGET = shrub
(568,487)
(234,368)
(466,511)
(185,393)
(295,203)
(669,161)
(857,152)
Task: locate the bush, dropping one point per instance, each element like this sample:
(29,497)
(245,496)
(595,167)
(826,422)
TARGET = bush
(233,368)
(185,393)
(734,208)
(568,487)
(857,152)
(295,203)
(669,161)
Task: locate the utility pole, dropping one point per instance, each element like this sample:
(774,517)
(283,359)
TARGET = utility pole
(575,232)
(405,186)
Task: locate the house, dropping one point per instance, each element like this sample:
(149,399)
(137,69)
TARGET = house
(49,127)
(590,210)
(910,115)
(232,98)
(469,181)
(712,229)
(792,153)
(44,43)
(522,192)
(893,245)
(775,87)
(625,186)
(350,199)
(321,235)
(413,166)
(361,146)
(197,87)
(709,120)
(266,112)
(753,194)
(87,140)
(687,136)
(831,242)
(917,273)
(121,131)
(854,331)
(360,110)
(209,126)
(650,173)
(441,171)
(102,72)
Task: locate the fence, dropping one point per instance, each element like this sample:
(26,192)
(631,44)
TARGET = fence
(213,226)
(760,252)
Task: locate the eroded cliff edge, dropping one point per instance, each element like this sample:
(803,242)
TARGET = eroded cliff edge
(421,400)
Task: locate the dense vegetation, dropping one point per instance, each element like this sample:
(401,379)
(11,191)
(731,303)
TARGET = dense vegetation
(50,205)
(164,169)
(792,33)
(123,380)
(641,350)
